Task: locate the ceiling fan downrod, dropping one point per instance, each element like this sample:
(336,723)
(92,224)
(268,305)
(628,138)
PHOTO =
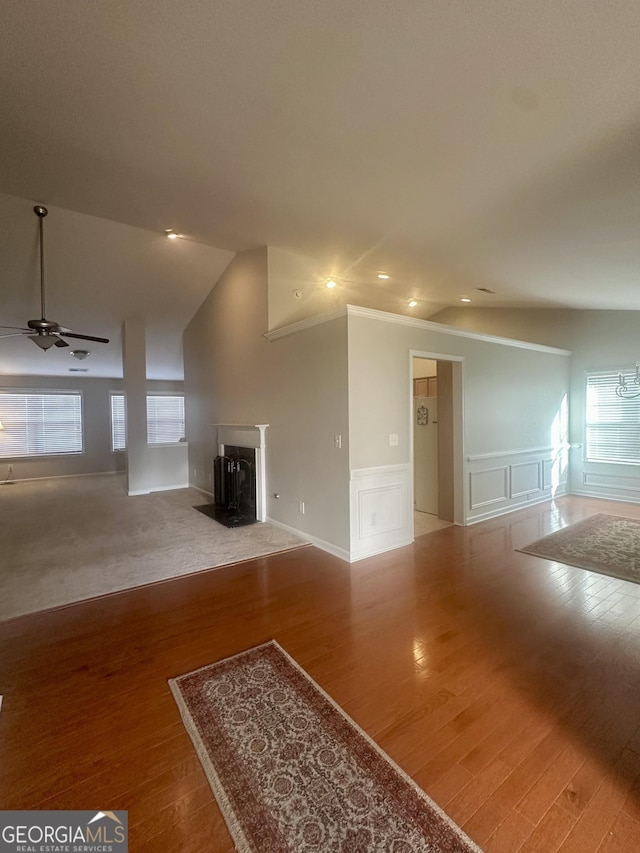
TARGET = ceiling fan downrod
(41,212)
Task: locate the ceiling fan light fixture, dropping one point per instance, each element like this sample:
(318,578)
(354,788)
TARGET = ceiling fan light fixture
(80,354)
(43,341)
(171,234)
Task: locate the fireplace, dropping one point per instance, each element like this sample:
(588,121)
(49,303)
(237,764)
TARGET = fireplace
(239,475)
(234,478)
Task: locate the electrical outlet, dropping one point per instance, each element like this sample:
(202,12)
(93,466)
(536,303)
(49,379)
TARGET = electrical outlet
(337,441)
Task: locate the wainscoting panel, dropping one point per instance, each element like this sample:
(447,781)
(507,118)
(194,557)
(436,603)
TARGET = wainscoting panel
(611,485)
(612,481)
(380,500)
(490,486)
(502,481)
(525,478)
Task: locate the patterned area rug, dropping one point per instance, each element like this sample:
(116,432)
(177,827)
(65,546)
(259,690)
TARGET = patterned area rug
(292,772)
(607,544)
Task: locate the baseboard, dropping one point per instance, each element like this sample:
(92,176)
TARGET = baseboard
(496,513)
(585,493)
(132,493)
(202,491)
(362,555)
(16,480)
(170,488)
(329,547)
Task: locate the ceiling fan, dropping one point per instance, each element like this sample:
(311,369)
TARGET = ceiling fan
(46,333)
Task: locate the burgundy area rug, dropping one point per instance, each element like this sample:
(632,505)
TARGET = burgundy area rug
(608,544)
(291,771)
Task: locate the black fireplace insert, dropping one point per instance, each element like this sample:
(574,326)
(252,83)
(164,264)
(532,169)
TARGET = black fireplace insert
(234,487)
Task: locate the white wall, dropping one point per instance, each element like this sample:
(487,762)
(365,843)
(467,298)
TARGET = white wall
(97,456)
(512,397)
(297,384)
(600,340)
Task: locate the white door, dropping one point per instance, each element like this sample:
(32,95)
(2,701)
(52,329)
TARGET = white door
(425,454)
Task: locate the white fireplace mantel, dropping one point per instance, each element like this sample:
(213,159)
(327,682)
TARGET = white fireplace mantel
(248,435)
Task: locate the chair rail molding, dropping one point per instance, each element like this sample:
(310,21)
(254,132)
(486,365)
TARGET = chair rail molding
(503,480)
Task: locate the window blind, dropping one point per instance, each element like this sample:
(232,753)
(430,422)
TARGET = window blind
(39,424)
(118,431)
(165,419)
(612,424)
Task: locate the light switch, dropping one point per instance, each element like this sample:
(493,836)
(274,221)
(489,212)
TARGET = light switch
(393,439)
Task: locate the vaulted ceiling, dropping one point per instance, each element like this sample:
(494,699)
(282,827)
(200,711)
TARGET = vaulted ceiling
(453,145)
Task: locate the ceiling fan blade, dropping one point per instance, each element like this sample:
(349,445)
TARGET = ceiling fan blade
(17,328)
(85,337)
(61,343)
(14,335)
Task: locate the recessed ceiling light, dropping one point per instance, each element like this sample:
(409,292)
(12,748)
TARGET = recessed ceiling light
(331,283)
(464,299)
(412,303)
(383,276)
(171,234)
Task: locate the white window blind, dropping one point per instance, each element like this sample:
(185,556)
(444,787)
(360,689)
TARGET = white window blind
(165,419)
(39,424)
(612,424)
(118,432)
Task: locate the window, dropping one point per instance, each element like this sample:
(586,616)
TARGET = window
(40,424)
(612,424)
(118,430)
(165,419)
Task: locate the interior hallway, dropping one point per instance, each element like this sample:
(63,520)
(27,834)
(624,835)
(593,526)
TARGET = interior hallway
(505,685)
(424,522)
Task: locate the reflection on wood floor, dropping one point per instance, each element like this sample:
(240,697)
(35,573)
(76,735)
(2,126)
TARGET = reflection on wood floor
(506,685)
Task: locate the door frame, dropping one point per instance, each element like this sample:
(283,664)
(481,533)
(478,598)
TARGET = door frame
(459,481)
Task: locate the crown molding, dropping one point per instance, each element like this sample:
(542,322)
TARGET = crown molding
(413,322)
(307,323)
(440,328)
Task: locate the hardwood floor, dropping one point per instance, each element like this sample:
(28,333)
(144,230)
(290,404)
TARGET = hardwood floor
(507,686)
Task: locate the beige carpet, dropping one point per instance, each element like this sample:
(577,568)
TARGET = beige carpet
(70,539)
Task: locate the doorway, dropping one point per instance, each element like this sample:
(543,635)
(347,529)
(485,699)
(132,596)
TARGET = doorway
(436,396)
